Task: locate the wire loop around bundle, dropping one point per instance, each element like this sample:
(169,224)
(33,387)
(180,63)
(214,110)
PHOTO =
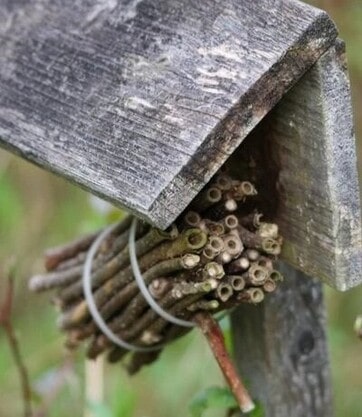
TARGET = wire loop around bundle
(142,286)
(89,297)
(93,309)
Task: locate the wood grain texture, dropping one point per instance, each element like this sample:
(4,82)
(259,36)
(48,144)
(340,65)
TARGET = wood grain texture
(318,194)
(280,348)
(141,101)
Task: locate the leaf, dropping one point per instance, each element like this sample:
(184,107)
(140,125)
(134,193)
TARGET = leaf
(212,397)
(258,411)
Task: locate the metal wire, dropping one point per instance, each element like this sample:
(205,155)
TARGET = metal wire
(142,286)
(93,309)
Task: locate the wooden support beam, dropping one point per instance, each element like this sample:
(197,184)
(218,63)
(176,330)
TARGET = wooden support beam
(281,349)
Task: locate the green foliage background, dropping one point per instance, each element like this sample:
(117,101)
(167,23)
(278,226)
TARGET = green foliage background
(38,210)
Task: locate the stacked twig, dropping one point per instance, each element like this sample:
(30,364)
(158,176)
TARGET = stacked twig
(213,258)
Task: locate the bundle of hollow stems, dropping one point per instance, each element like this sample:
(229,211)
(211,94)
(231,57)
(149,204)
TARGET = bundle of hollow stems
(217,255)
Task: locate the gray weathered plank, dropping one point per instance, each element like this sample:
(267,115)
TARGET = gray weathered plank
(141,101)
(280,349)
(318,194)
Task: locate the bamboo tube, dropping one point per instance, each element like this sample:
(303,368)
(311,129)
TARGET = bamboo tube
(252,254)
(237,282)
(191,219)
(231,222)
(213,270)
(206,305)
(233,245)
(256,275)
(276,276)
(206,199)
(223,182)
(265,262)
(239,265)
(224,291)
(251,295)
(269,285)
(214,228)
(268,230)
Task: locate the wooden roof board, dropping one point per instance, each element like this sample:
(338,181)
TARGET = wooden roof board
(142,101)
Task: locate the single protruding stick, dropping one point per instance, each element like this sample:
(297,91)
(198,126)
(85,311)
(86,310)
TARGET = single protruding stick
(54,256)
(215,338)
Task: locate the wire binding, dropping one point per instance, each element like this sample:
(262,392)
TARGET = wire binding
(142,286)
(93,309)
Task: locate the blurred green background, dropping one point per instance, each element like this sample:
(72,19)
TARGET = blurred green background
(38,210)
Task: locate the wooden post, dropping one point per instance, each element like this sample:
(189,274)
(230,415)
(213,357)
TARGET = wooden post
(281,349)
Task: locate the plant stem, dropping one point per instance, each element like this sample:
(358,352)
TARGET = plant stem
(215,338)
(6,324)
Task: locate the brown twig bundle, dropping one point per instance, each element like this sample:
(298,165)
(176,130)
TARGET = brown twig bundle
(214,257)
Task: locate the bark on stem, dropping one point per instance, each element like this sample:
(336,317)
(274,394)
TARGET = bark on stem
(117,272)
(59,254)
(54,256)
(215,338)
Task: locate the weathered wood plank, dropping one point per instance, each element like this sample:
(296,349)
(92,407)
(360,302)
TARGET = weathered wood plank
(141,101)
(280,348)
(312,141)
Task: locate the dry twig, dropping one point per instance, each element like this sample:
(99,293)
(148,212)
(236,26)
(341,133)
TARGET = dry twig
(211,330)
(6,324)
